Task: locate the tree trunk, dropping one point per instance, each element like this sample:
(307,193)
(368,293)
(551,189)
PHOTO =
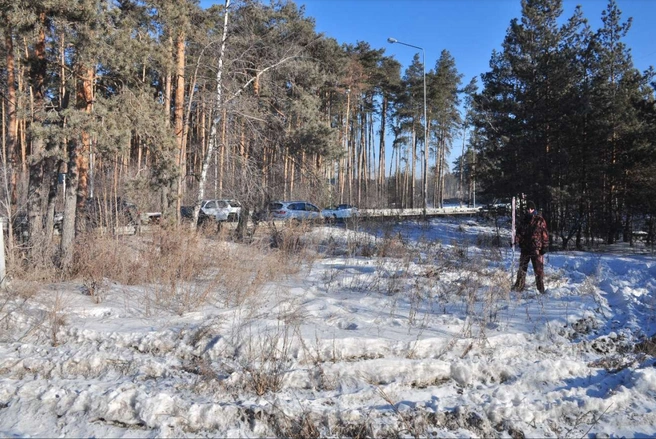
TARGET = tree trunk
(413,183)
(70,208)
(362,157)
(168,87)
(349,147)
(35,190)
(222,153)
(178,117)
(84,103)
(381,149)
(213,131)
(12,124)
(78,171)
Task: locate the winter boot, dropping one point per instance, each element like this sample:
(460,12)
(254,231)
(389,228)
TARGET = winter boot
(520,283)
(539,283)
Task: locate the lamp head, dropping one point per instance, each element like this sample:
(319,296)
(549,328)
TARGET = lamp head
(392,40)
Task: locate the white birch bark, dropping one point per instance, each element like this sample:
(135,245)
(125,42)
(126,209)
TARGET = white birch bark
(215,122)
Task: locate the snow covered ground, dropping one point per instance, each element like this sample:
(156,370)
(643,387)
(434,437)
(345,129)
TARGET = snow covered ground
(394,330)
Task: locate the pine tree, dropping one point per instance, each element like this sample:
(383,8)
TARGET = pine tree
(617,88)
(444,117)
(521,106)
(388,83)
(409,113)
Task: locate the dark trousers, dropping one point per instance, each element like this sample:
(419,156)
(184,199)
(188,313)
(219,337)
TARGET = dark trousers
(538,269)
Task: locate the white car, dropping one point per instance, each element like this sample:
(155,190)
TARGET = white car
(234,209)
(221,210)
(297,210)
(341,211)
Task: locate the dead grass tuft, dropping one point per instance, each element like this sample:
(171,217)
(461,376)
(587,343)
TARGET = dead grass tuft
(305,425)
(182,269)
(13,302)
(35,266)
(391,246)
(266,359)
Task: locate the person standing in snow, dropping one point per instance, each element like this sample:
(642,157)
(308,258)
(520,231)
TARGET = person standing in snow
(533,240)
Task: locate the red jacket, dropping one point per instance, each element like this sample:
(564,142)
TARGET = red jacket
(532,235)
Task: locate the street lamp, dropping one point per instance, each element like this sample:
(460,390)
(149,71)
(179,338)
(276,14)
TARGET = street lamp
(425,177)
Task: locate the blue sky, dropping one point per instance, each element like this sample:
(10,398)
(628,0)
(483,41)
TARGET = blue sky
(468,29)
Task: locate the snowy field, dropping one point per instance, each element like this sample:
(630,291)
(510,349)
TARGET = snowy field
(406,330)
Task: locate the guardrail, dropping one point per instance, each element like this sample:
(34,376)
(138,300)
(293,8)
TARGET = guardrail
(430,212)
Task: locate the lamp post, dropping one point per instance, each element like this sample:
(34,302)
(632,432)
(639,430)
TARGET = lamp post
(425,176)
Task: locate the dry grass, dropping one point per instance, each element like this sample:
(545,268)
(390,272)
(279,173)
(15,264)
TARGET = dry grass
(56,318)
(25,313)
(175,270)
(266,359)
(32,261)
(13,301)
(183,269)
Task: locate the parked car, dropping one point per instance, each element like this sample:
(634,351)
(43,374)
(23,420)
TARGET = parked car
(297,210)
(234,209)
(217,210)
(187,214)
(341,211)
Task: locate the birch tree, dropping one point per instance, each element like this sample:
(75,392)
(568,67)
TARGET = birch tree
(218,103)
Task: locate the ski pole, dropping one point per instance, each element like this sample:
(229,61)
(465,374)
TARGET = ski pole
(512,234)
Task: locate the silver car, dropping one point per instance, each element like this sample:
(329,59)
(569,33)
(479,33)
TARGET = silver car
(297,210)
(339,212)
